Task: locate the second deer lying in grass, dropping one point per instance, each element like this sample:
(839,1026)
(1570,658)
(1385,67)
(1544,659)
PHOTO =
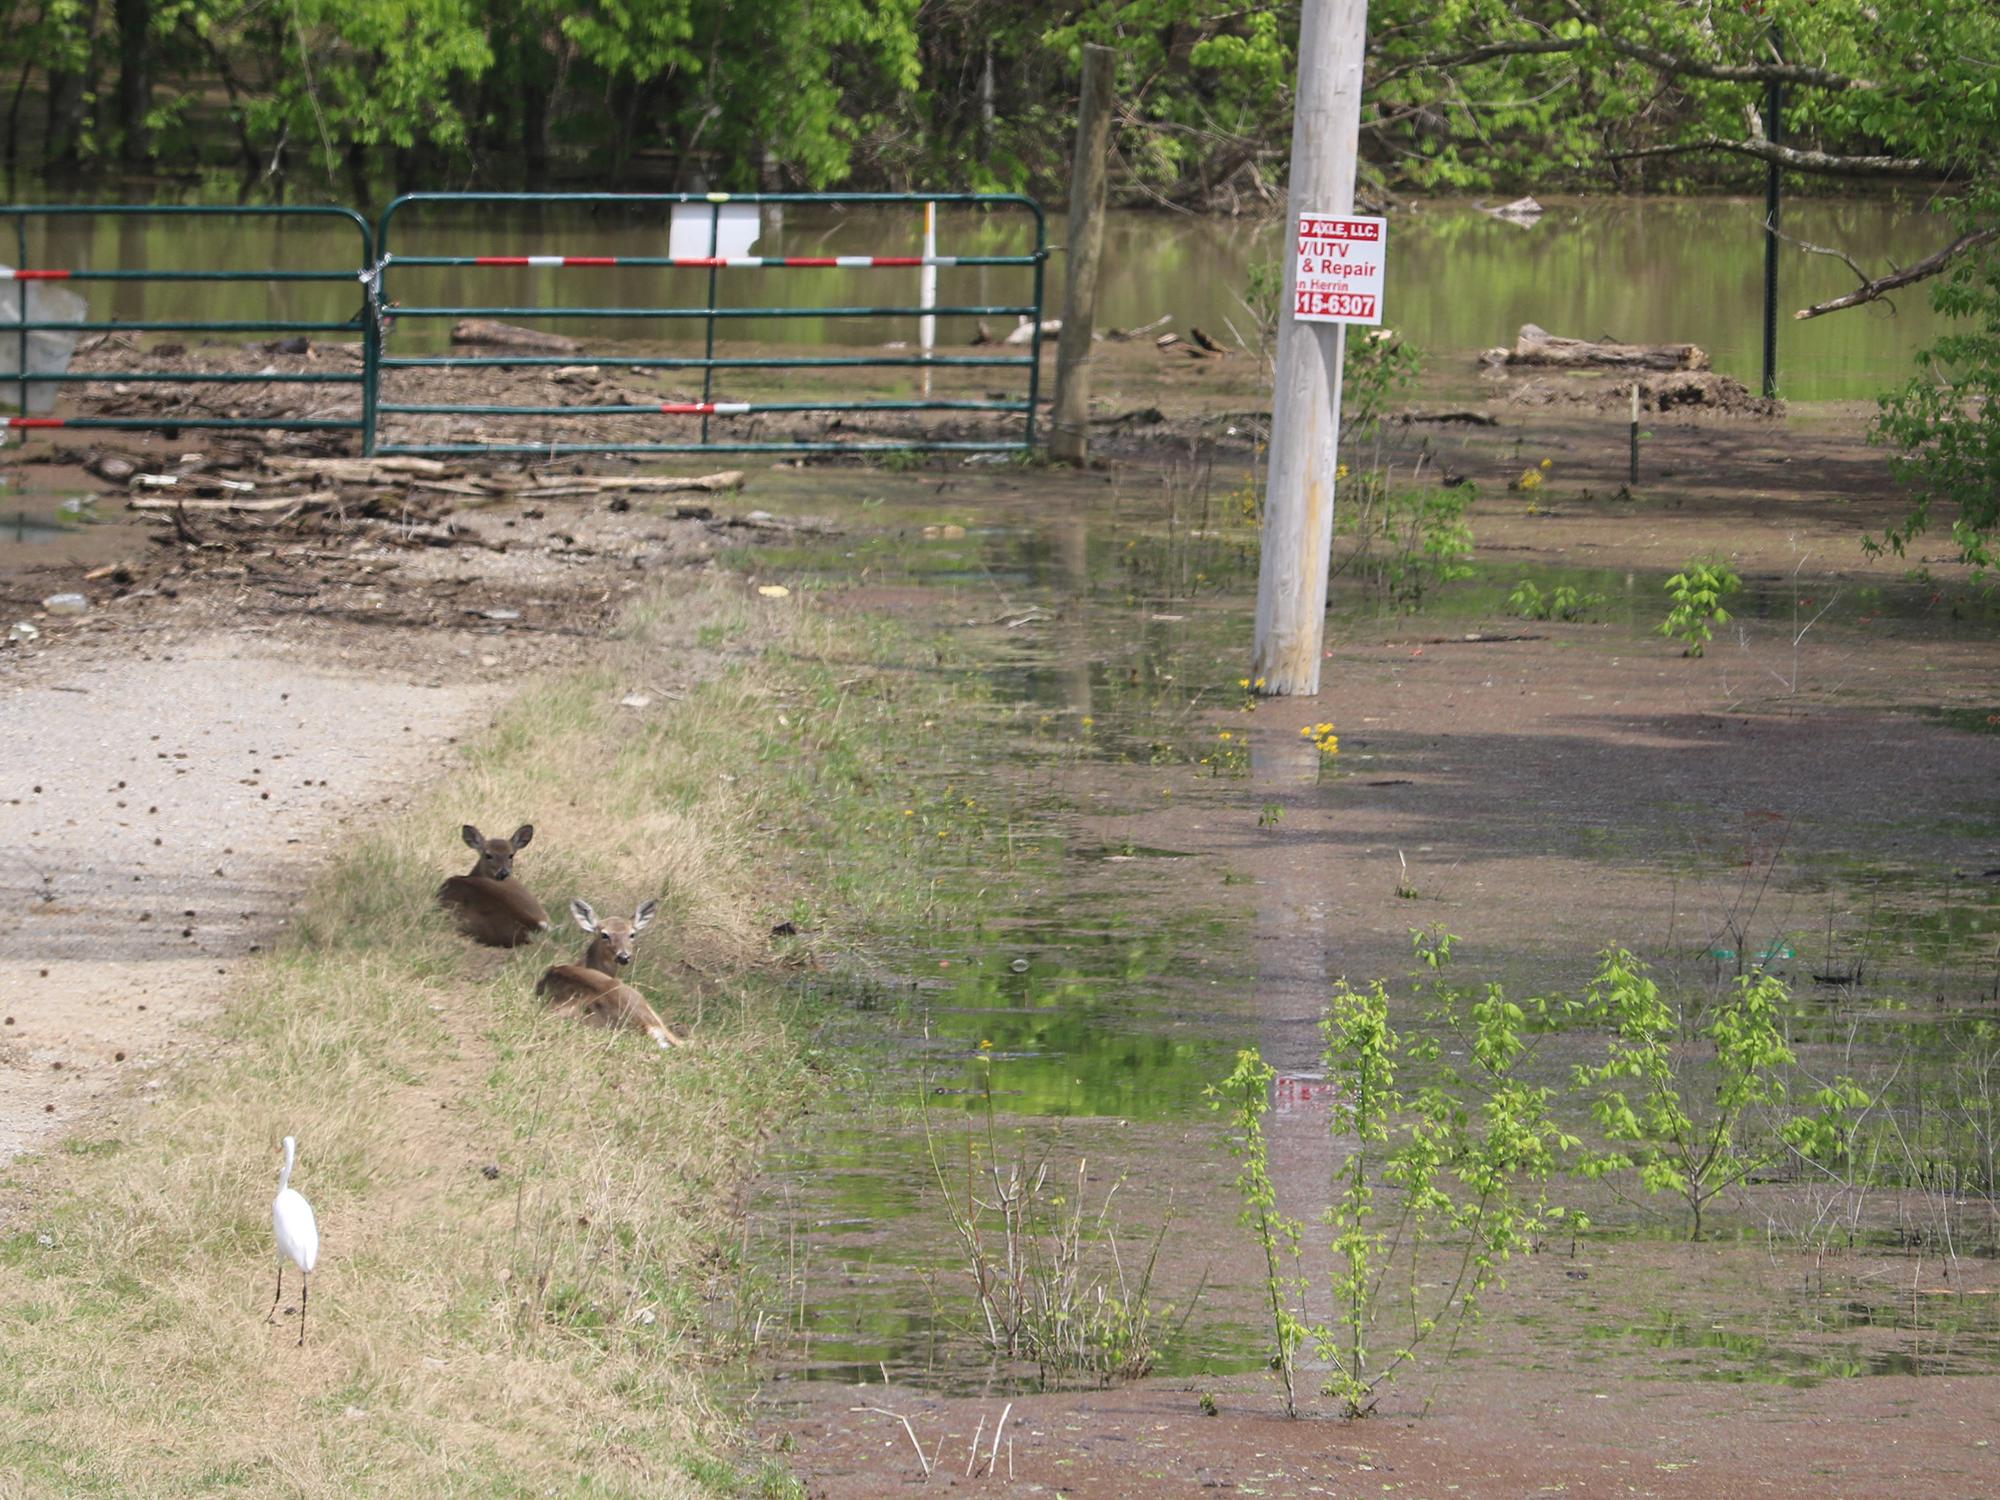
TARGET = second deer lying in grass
(592,990)
(489,905)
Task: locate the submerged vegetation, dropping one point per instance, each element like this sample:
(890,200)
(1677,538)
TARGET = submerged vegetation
(1462,1140)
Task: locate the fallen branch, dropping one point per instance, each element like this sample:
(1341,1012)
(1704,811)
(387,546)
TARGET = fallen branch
(509,336)
(237,507)
(883,1411)
(727,479)
(362,470)
(1470,418)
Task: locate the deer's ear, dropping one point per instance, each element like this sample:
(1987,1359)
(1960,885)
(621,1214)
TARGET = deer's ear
(522,835)
(643,917)
(473,837)
(585,917)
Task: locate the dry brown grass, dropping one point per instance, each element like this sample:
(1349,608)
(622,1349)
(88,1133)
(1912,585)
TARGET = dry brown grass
(547,1332)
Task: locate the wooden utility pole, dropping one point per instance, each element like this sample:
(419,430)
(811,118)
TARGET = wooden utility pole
(1070,438)
(1305,407)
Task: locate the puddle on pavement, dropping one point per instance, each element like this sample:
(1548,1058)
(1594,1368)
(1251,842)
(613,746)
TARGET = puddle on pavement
(1111,983)
(60,531)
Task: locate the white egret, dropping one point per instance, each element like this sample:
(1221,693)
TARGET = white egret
(298,1237)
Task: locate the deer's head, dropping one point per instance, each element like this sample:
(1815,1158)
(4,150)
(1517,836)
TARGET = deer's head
(611,942)
(496,856)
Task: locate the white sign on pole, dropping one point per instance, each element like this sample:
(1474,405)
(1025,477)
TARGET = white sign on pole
(1340,267)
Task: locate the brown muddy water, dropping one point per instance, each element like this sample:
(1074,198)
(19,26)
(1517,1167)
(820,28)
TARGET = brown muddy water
(1459,279)
(1171,881)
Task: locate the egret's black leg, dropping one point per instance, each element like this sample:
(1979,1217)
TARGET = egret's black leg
(271,1316)
(305,1285)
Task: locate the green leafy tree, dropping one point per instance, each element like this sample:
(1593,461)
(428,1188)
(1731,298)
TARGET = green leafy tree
(1695,1098)
(1946,423)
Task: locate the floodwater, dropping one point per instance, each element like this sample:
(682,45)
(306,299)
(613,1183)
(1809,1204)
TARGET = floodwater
(1108,981)
(1459,280)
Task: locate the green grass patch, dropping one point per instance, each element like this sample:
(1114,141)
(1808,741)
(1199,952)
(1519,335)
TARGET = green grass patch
(552,1328)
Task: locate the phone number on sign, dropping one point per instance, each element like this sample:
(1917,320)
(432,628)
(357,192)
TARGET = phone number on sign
(1339,304)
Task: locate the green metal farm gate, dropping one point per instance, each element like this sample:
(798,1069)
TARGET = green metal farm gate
(416,293)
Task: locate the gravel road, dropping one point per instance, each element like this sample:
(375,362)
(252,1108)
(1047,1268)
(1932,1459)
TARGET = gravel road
(157,811)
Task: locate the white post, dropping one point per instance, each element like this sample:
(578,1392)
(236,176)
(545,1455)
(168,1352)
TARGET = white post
(1305,407)
(927,294)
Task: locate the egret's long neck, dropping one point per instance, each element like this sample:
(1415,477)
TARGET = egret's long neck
(285,1172)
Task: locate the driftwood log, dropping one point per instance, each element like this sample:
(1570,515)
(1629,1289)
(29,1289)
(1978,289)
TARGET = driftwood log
(1024,333)
(1537,346)
(235,507)
(509,336)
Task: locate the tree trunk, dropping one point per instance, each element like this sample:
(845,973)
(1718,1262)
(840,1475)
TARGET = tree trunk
(534,135)
(135,79)
(69,96)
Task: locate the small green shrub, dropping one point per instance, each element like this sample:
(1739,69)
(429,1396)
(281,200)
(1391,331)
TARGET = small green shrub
(1693,1097)
(1697,592)
(1562,603)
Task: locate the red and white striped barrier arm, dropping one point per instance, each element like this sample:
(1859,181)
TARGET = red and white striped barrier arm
(6,275)
(706,408)
(31,421)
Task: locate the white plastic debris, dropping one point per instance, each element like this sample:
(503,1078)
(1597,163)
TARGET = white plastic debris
(49,349)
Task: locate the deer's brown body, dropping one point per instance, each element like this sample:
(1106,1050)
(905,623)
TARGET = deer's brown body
(592,991)
(489,905)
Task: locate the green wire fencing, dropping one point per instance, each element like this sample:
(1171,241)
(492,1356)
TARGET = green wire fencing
(97,254)
(709,233)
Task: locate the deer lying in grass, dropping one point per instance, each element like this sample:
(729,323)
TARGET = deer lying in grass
(489,905)
(592,989)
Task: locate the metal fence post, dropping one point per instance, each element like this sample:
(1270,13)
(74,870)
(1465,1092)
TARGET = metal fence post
(21,306)
(708,347)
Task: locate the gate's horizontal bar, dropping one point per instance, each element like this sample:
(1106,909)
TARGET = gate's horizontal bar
(987,200)
(156,424)
(712,262)
(36,325)
(694,408)
(698,362)
(392,310)
(557,450)
(33,275)
(151,377)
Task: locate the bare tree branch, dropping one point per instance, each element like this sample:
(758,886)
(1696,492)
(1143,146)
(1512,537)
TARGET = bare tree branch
(1661,61)
(1759,72)
(1796,159)
(1811,249)
(1930,265)
(1521,47)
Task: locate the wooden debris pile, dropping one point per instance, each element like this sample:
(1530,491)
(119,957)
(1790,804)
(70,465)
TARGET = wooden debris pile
(407,500)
